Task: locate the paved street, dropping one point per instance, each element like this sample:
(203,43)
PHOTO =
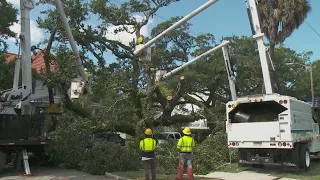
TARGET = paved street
(50,174)
(245,175)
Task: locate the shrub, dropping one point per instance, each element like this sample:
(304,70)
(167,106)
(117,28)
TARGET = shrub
(109,157)
(69,142)
(212,154)
(167,158)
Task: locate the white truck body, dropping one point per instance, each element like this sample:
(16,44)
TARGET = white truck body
(272,129)
(293,123)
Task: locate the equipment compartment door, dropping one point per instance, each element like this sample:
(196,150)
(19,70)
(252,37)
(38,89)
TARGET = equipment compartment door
(285,133)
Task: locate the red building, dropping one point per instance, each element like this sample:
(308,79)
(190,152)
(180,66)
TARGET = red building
(37,60)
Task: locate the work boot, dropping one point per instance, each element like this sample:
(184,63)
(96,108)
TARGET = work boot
(180,171)
(190,174)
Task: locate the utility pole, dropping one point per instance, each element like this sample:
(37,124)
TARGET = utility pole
(311,81)
(312,87)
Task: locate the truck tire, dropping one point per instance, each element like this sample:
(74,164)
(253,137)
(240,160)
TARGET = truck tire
(18,162)
(259,166)
(304,157)
(3,160)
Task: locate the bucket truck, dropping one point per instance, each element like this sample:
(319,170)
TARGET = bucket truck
(271,129)
(21,117)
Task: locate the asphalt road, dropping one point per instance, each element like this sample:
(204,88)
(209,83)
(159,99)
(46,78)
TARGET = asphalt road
(50,174)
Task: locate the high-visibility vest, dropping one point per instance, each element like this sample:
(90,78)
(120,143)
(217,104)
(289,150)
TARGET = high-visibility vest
(87,74)
(186,144)
(140,40)
(148,145)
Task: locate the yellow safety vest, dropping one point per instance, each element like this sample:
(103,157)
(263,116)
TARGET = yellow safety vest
(148,145)
(140,40)
(87,74)
(186,144)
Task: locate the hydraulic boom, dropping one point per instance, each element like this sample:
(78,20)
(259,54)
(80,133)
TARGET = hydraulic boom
(252,7)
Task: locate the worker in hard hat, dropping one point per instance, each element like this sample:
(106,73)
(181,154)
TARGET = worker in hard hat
(186,146)
(152,69)
(147,146)
(140,39)
(86,72)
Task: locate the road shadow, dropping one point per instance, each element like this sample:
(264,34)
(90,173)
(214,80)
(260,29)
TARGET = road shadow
(284,172)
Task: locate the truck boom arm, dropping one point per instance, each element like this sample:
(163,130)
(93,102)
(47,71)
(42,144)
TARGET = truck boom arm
(226,57)
(176,70)
(252,6)
(231,76)
(73,44)
(175,25)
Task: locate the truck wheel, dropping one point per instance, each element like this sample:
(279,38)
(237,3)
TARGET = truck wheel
(304,157)
(3,160)
(257,166)
(18,164)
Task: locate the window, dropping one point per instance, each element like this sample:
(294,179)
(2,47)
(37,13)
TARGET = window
(160,136)
(171,136)
(114,138)
(177,136)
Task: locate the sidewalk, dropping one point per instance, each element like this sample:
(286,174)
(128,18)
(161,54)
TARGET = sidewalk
(245,175)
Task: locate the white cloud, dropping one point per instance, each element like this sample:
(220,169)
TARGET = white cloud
(126,37)
(14,2)
(36,34)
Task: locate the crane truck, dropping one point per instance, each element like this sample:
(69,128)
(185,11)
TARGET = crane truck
(21,115)
(271,129)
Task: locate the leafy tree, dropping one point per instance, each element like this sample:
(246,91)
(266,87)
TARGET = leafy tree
(6,73)
(279,18)
(8,16)
(126,90)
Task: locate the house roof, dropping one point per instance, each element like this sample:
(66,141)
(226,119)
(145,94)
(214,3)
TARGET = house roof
(38,62)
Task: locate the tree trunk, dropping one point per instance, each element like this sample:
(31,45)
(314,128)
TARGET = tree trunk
(47,63)
(271,51)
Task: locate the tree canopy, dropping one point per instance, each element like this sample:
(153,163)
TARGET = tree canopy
(126,96)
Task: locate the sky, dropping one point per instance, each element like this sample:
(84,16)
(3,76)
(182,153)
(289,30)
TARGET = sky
(224,18)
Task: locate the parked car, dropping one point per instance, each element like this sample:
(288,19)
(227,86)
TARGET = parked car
(105,137)
(164,137)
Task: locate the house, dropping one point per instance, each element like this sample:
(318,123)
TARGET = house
(37,60)
(38,64)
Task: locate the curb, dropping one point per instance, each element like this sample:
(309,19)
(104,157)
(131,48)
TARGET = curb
(109,175)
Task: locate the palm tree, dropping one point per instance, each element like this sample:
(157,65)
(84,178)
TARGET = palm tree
(279,18)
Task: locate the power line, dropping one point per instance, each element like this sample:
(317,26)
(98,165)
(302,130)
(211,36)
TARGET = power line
(160,17)
(312,29)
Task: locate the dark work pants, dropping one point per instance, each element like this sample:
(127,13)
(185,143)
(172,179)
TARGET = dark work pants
(150,164)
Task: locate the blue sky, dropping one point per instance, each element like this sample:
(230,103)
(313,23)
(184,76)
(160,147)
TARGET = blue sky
(224,18)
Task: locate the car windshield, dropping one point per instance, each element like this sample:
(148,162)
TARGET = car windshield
(177,136)
(161,136)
